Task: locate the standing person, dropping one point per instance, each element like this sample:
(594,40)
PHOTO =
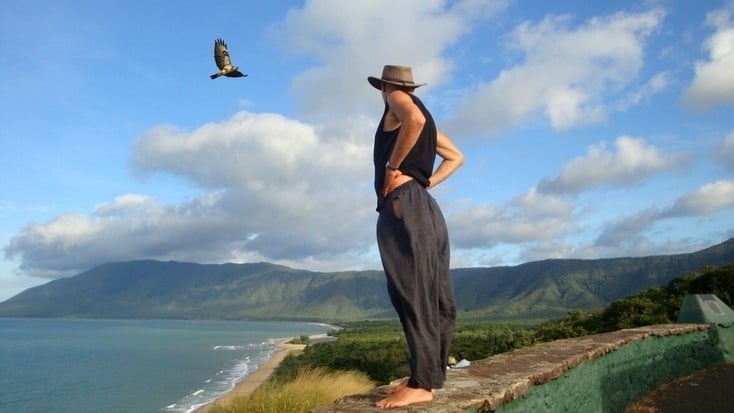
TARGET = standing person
(411,231)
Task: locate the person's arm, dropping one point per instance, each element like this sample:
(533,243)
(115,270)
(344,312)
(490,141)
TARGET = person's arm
(411,122)
(452,160)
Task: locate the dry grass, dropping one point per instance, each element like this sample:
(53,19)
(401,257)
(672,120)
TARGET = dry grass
(311,388)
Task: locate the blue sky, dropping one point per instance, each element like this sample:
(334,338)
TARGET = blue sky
(590,129)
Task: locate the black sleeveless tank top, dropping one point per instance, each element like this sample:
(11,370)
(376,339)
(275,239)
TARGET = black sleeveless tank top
(418,163)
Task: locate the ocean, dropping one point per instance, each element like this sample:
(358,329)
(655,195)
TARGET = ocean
(131,366)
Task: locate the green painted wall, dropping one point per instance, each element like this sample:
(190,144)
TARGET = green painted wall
(615,380)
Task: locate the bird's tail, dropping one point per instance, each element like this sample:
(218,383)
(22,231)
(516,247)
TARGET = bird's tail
(214,76)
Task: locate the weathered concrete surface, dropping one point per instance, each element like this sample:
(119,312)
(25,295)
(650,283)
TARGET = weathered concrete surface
(490,383)
(710,390)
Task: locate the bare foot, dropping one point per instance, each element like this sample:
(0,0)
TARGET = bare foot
(403,384)
(405,397)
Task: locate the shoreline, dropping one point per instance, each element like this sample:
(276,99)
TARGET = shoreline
(253,380)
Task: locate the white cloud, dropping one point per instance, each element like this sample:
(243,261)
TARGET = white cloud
(627,228)
(250,151)
(530,217)
(567,73)
(708,199)
(229,226)
(535,203)
(638,246)
(123,204)
(634,161)
(353,40)
(726,151)
(568,107)
(274,189)
(274,159)
(655,85)
(46,249)
(713,82)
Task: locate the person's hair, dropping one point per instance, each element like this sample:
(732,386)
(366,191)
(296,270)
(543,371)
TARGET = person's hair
(462,355)
(406,89)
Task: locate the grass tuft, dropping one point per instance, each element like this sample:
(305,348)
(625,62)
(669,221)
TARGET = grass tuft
(312,387)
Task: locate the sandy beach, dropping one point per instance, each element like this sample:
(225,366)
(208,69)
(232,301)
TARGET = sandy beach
(256,378)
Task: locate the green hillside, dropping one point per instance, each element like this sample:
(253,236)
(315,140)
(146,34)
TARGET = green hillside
(536,290)
(550,288)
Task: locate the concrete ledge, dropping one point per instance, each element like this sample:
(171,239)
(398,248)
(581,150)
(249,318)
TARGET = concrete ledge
(602,372)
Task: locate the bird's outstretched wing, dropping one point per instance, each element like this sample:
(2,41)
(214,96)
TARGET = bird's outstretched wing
(221,58)
(221,55)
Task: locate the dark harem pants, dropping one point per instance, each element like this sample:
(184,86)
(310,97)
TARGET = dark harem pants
(414,248)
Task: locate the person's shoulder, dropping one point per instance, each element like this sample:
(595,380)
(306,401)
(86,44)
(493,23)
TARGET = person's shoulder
(418,104)
(400,97)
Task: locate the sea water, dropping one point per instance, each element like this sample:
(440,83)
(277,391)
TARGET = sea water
(131,366)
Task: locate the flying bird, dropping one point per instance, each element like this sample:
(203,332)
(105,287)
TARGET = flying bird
(221,57)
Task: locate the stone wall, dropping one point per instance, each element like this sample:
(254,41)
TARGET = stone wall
(597,373)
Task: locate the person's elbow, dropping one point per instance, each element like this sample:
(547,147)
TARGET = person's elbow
(458,158)
(416,121)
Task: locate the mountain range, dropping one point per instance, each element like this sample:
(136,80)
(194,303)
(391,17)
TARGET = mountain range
(531,291)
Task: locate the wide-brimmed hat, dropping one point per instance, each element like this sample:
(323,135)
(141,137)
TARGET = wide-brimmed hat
(395,75)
